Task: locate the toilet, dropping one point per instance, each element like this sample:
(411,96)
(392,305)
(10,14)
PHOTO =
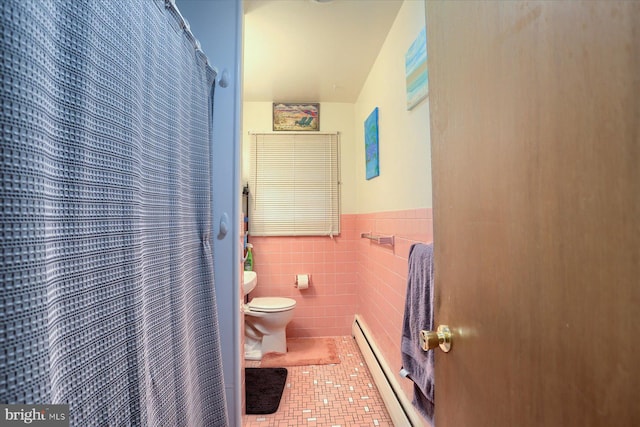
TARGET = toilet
(265,321)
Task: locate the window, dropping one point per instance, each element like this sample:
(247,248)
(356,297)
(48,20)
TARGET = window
(295,184)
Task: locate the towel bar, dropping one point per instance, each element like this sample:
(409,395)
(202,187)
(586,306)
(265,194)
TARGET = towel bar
(382,240)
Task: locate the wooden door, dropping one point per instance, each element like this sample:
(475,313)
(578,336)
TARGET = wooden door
(535,129)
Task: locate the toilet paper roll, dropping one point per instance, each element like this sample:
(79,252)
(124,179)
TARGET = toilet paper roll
(302,281)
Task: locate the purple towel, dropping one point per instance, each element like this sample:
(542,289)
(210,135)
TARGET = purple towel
(418,315)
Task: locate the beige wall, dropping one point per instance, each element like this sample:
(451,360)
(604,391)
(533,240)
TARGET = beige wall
(405,149)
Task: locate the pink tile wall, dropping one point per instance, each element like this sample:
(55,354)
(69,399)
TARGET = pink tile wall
(350,275)
(327,307)
(382,277)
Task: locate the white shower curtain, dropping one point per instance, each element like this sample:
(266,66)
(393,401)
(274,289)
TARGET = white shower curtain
(108,299)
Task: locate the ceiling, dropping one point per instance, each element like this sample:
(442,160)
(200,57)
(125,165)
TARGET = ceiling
(312,50)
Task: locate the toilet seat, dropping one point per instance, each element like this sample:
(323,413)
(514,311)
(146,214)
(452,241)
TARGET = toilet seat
(271,304)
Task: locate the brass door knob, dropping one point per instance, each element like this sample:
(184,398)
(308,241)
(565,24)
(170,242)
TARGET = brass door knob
(432,339)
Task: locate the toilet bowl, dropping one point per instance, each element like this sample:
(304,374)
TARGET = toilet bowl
(265,323)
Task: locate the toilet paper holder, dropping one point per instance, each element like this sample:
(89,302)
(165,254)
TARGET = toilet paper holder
(301,283)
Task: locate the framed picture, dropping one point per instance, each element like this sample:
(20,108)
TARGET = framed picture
(416,72)
(371,144)
(298,117)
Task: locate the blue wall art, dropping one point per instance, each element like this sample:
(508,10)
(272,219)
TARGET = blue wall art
(371,144)
(417,74)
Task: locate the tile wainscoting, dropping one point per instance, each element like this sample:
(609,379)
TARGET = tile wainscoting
(349,275)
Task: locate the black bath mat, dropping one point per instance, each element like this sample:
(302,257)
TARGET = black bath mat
(263,389)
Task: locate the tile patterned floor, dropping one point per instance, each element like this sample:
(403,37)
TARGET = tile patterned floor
(340,395)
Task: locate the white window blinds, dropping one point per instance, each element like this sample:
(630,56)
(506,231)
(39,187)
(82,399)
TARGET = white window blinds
(294,187)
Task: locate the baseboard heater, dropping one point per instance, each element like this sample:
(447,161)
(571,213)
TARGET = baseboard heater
(398,406)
